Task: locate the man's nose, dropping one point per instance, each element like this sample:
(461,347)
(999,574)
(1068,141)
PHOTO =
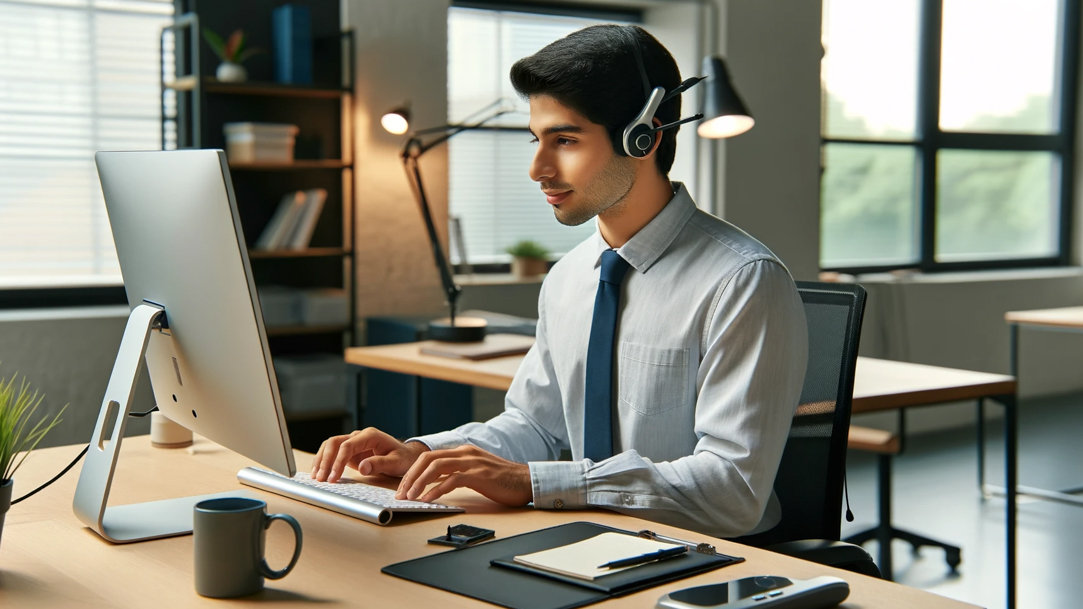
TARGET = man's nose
(541,167)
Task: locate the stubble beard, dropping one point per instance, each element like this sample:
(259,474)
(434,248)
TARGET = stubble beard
(604,193)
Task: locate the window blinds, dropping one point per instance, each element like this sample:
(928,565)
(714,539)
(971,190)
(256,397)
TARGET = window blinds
(76,76)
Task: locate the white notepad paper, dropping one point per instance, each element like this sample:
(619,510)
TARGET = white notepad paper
(582,558)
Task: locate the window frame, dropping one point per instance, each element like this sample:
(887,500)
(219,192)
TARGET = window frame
(930,140)
(58,297)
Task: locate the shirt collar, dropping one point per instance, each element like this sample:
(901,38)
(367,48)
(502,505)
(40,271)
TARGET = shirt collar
(647,246)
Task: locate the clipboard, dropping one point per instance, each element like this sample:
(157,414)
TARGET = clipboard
(481,571)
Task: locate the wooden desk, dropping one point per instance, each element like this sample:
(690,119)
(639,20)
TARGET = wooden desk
(1063,319)
(879,385)
(48,559)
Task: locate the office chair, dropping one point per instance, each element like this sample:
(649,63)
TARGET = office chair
(811,475)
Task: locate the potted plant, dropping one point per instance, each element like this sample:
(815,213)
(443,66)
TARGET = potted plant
(232,52)
(528,259)
(20,432)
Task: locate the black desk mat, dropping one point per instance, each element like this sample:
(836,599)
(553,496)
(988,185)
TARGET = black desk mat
(469,571)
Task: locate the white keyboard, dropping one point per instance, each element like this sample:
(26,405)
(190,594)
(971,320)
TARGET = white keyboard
(350,497)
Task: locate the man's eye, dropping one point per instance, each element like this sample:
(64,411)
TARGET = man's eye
(563,141)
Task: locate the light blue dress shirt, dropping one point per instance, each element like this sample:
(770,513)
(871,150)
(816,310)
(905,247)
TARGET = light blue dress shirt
(712,348)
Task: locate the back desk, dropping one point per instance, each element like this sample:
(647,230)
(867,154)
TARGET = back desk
(48,559)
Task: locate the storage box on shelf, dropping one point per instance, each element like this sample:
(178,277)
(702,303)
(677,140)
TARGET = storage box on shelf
(312,385)
(260,142)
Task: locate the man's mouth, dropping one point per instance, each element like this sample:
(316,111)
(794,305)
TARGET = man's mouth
(556,197)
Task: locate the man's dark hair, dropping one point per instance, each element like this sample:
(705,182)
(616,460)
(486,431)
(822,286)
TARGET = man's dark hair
(594,72)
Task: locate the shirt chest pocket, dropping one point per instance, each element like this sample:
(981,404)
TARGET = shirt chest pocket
(654,380)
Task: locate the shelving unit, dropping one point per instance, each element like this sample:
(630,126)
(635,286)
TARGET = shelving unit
(195,106)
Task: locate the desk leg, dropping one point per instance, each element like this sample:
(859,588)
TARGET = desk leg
(981,448)
(1011,482)
(1011,462)
(1013,351)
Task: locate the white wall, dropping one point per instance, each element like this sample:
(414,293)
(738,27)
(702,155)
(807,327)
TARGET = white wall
(770,177)
(401,56)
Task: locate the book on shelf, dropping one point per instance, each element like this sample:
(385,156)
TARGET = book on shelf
(282,222)
(294,220)
(301,236)
(291,35)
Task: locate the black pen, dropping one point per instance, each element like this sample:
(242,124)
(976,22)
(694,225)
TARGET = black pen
(644,558)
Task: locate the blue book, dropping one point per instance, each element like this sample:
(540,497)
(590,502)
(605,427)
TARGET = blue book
(291,32)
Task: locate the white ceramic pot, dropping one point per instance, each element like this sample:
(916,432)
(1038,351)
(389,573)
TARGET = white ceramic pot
(231,72)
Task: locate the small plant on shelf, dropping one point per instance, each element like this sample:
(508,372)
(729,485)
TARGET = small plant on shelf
(233,52)
(528,258)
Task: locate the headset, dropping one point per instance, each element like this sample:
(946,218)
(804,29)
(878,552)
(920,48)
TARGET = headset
(639,137)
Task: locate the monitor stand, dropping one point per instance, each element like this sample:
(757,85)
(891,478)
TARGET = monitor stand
(138,521)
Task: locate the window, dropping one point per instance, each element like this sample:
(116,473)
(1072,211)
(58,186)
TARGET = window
(490,193)
(76,76)
(948,133)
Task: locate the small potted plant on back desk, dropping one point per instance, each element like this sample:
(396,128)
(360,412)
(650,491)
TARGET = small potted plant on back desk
(528,259)
(20,432)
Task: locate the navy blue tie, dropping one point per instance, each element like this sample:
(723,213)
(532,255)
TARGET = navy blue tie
(597,422)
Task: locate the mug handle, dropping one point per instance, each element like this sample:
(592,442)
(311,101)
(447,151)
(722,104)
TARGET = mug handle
(264,568)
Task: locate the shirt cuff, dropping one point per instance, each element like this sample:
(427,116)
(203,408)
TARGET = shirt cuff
(559,484)
(441,440)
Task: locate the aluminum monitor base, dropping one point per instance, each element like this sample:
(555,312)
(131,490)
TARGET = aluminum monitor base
(137,521)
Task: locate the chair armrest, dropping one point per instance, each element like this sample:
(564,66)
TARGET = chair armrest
(838,554)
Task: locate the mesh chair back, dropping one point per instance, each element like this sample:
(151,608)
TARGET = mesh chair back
(809,483)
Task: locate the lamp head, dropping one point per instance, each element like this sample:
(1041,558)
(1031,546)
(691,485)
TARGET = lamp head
(396,121)
(724,113)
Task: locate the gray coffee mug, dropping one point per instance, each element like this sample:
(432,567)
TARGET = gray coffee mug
(230,534)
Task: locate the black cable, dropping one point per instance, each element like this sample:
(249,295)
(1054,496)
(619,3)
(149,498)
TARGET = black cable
(54,478)
(73,462)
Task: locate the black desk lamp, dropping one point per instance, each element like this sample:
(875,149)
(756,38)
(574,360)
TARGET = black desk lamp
(452,329)
(725,114)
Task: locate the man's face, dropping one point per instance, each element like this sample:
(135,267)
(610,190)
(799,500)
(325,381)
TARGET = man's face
(575,164)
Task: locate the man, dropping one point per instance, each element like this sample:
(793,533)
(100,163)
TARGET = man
(711,343)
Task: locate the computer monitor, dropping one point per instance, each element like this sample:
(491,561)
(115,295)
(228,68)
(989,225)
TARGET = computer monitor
(195,319)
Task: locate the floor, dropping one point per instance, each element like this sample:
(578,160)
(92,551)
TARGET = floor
(936,495)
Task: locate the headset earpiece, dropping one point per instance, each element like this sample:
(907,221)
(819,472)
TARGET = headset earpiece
(639,136)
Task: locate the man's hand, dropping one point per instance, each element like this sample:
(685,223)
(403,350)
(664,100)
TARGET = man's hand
(503,481)
(369,451)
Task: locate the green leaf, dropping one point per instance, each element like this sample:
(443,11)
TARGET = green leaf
(217,44)
(20,431)
(528,249)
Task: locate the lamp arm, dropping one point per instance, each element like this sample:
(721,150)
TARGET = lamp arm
(411,151)
(451,290)
(415,147)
